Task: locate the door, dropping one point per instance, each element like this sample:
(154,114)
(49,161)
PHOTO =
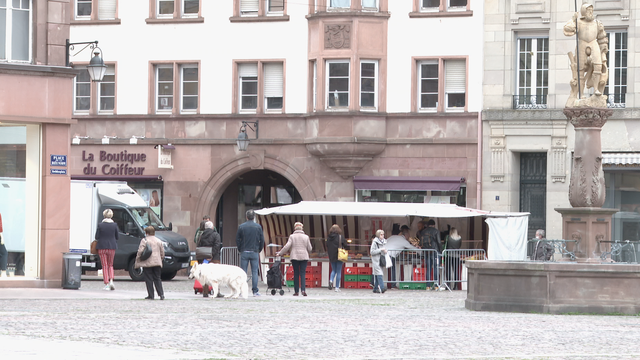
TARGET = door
(533,190)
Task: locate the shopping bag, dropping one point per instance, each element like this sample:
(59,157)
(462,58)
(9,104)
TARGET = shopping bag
(343,255)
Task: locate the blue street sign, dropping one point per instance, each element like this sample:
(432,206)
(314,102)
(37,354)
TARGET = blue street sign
(58,160)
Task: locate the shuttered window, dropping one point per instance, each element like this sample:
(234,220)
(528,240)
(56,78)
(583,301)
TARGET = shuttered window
(273,86)
(249,7)
(455,80)
(276,6)
(107,9)
(107,90)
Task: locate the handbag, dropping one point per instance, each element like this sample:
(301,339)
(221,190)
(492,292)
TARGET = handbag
(203,252)
(94,247)
(343,255)
(383,261)
(146,252)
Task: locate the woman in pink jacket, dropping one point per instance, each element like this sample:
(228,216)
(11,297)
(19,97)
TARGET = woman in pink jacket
(299,245)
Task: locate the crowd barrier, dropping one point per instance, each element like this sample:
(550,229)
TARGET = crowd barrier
(419,269)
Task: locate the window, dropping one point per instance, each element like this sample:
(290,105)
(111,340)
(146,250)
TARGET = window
(441,85)
(339,4)
(15,30)
(171,10)
(532,73)
(257,10)
(266,84)
(338,84)
(370,5)
(273,86)
(248,86)
(275,6)
(89,95)
(95,9)
(249,7)
(368,85)
(429,85)
(616,88)
(177,84)
(429,8)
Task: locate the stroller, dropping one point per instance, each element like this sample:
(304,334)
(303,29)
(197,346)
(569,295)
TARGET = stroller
(274,278)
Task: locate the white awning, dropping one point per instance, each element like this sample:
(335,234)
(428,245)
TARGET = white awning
(381,209)
(630,158)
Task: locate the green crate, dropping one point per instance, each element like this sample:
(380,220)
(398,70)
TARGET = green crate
(364,278)
(419,286)
(290,283)
(412,286)
(353,278)
(404,286)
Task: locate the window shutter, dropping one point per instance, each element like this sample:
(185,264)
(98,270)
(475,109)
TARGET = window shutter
(273,80)
(455,76)
(249,6)
(248,70)
(107,9)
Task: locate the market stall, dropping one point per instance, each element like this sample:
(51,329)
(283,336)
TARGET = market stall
(359,221)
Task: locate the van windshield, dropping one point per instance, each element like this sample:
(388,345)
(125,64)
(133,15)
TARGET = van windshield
(146,217)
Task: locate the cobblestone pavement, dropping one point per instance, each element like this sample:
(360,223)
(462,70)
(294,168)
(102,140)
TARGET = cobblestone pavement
(90,323)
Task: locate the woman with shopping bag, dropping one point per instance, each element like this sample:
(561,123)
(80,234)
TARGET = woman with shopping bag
(378,253)
(335,241)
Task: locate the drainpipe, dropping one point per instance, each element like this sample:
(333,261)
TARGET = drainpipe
(479,165)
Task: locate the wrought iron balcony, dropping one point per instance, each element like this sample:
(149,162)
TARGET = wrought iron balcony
(530,102)
(616,101)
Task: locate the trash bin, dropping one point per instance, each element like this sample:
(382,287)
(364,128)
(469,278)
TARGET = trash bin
(71,270)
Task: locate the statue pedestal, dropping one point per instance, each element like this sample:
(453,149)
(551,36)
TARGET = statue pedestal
(587,226)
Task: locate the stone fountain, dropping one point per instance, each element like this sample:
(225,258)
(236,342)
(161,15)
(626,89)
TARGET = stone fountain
(589,284)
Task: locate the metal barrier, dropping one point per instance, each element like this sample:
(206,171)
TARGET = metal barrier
(419,269)
(620,251)
(230,256)
(558,246)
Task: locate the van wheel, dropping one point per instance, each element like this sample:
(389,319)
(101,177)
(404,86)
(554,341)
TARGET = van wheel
(168,276)
(136,274)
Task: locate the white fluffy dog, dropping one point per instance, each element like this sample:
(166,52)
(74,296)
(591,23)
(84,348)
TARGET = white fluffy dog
(215,274)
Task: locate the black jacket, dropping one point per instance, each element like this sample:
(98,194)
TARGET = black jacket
(335,241)
(431,239)
(107,235)
(249,237)
(210,238)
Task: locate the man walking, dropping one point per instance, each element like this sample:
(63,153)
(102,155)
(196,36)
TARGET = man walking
(250,241)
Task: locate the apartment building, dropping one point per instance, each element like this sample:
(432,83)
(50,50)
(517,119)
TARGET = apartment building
(349,100)
(35,116)
(527,141)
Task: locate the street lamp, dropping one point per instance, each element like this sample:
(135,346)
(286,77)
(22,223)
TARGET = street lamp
(96,67)
(243,138)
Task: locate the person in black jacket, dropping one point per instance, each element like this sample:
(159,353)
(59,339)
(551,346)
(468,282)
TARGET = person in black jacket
(107,236)
(335,240)
(431,241)
(209,243)
(250,242)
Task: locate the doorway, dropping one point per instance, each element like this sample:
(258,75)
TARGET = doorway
(533,190)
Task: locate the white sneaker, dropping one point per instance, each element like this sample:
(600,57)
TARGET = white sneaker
(111,286)
(337,289)
(106,287)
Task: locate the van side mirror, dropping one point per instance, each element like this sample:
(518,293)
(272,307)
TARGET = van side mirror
(170,226)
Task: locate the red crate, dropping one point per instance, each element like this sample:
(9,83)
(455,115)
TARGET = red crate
(364,285)
(351,270)
(419,274)
(289,276)
(314,270)
(290,270)
(365,271)
(350,285)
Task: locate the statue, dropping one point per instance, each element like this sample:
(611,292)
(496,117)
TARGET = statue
(589,64)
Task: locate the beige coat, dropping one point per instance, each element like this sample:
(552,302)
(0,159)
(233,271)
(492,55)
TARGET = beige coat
(299,245)
(157,253)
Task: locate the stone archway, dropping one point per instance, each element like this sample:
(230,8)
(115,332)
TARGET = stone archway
(218,182)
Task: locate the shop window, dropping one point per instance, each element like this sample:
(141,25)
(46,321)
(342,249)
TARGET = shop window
(623,193)
(91,97)
(15,30)
(441,85)
(532,73)
(175,11)
(94,10)
(253,85)
(256,10)
(176,83)
(151,193)
(434,197)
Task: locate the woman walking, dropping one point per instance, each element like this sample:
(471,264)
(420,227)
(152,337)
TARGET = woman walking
(151,267)
(377,250)
(299,245)
(107,236)
(335,240)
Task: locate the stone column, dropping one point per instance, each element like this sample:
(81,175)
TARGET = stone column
(587,222)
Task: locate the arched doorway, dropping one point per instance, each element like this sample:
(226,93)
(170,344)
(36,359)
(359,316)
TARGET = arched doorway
(254,189)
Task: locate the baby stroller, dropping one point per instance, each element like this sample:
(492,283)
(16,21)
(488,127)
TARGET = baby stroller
(274,278)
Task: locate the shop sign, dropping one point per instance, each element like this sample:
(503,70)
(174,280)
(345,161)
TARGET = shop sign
(58,171)
(58,160)
(121,163)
